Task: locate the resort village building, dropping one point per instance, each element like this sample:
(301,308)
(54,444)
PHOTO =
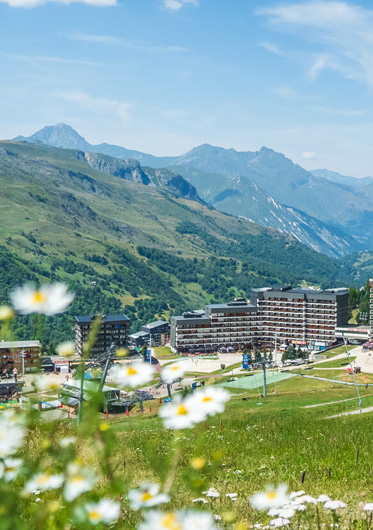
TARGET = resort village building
(114,329)
(283,314)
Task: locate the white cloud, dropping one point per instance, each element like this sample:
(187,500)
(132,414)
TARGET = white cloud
(120,41)
(36,3)
(341,34)
(50,59)
(272,48)
(175,5)
(309,155)
(101,106)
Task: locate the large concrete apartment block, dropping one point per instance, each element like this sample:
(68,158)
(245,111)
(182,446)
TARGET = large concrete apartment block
(302,315)
(275,313)
(114,329)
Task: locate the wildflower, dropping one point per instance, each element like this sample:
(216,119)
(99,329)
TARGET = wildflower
(6,312)
(10,468)
(48,300)
(135,375)
(232,496)
(285,513)
(323,498)
(200,499)
(270,498)
(146,496)
(304,499)
(157,520)
(198,463)
(43,482)
(212,492)
(210,400)
(12,433)
(47,382)
(334,505)
(279,522)
(171,372)
(66,442)
(197,521)
(104,511)
(295,494)
(368,507)
(181,414)
(79,480)
(66,349)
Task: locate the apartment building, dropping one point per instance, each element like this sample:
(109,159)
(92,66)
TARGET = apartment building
(114,329)
(275,313)
(158,331)
(230,325)
(11,354)
(299,315)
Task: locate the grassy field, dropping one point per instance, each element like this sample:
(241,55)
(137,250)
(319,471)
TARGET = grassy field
(337,363)
(251,445)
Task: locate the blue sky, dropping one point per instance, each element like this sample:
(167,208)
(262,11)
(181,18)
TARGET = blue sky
(163,76)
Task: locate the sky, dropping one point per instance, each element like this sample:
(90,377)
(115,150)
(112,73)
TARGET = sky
(163,76)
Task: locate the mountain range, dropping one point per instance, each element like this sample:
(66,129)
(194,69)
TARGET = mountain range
(330,213)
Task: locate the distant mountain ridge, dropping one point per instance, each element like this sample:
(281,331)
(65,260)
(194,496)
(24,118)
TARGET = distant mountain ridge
(321,209)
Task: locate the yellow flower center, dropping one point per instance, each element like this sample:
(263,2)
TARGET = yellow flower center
(271,495)
(170,522)
(131,371)
(146,496)
(38,297)
(77,478)
(206,399)
(94,515)
(44,479)
(182,410)
(9,469)
(174,368)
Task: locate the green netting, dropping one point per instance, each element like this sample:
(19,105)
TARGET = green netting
(256,380)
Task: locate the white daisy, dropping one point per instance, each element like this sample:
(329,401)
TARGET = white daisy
(47,382)
(135,375)
(66,442)
(157,520)
(334,505)
(66,349)
(104,511)
(9,468)
(210,400)
(368,507)
(43,482)
(200,499)
(146,496)
(48,300)
(6,312)
(12,432)
(181,414)
(270,498)
(172,372)
(192,520)
(79,479)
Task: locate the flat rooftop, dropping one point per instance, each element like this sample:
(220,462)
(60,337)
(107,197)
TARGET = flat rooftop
(104,318)
(155,324)
(20,344)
